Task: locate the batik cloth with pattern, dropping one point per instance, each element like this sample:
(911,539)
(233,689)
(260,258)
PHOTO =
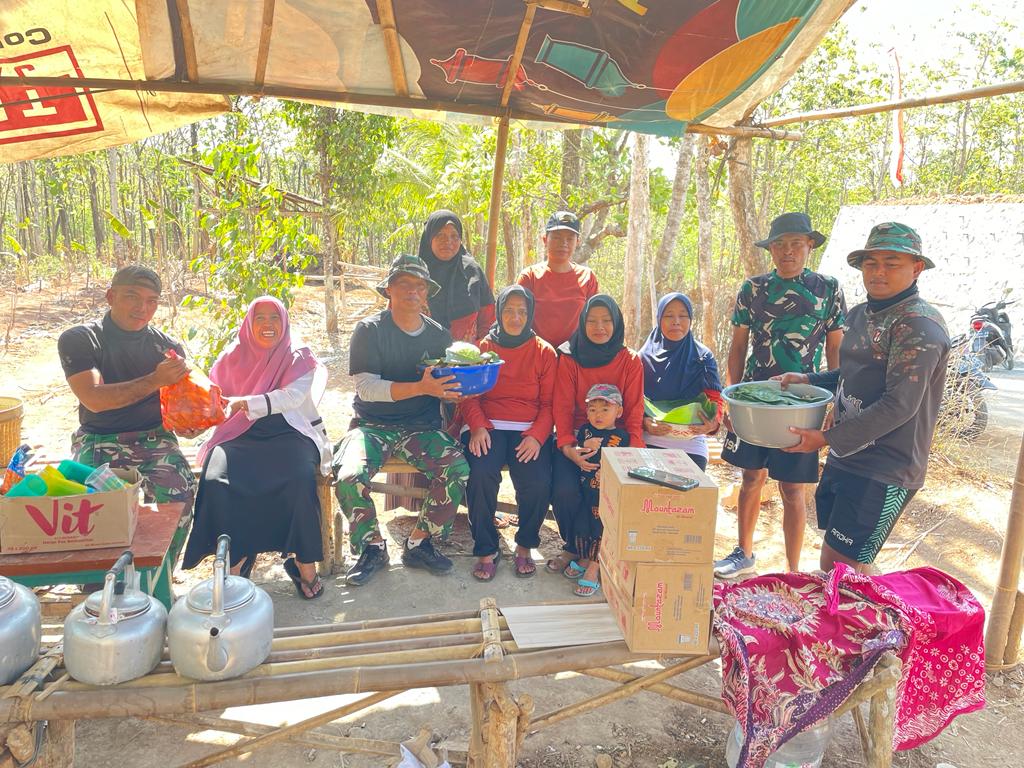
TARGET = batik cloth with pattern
(795,646)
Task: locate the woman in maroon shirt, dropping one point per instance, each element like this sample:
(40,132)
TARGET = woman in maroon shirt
(511,425)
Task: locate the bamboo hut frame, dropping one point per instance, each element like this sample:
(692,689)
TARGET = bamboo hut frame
(500,720)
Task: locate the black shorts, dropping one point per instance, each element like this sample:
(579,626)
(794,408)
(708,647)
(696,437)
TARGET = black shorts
(857,513)
(782,466)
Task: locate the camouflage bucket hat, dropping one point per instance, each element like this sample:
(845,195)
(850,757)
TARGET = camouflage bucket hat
(891,236)
(408,265)
(607,392)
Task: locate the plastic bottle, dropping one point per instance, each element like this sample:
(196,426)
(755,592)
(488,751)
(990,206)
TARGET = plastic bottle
(58,485)
(75,471)
(805,750)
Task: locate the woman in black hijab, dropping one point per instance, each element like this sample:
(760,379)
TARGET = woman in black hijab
(511,425)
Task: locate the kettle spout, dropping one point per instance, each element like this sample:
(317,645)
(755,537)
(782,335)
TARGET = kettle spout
(216,655)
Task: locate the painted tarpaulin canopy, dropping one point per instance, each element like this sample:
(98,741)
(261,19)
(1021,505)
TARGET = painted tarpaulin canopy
(644,65)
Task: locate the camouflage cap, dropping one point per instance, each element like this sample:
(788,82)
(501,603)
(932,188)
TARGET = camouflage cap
(407,264)
(136,274)
(607,392)
(891,236)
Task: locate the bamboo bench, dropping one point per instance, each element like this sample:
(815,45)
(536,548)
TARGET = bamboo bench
(383,658)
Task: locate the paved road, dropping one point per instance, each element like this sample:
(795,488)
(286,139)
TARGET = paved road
(1002,440)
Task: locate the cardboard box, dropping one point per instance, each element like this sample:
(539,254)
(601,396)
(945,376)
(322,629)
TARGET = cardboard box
(60,523)
(644,522)
(660,607)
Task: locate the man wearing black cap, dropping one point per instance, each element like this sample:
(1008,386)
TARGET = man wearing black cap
(560,287)
(116,366)
(888,387)
(787,318)
(397,413)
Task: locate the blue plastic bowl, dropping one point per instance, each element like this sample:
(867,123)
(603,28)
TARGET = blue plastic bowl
(475,379)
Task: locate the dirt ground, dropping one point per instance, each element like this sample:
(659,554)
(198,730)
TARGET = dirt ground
(956,524)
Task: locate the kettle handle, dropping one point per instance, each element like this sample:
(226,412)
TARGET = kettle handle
(110,580)
(220,568)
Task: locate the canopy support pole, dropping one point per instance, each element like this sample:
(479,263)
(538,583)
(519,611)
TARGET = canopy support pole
(494,214)
(386,14)
(997,634)
(263,52)
(188,42)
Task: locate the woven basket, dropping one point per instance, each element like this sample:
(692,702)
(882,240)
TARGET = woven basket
(10,428)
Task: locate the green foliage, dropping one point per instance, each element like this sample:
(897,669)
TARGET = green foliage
(259,250)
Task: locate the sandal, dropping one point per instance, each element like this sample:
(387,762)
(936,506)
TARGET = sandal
(525,567)
(501,521)
(558,563)
(585,588)
(316,586)
(573,570)
(247,563)
(483,571)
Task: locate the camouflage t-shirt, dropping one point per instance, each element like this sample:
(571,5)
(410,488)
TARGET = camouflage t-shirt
(788,321)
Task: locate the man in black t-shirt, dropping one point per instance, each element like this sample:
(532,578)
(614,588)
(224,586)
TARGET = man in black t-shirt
(116,366)
(398,413)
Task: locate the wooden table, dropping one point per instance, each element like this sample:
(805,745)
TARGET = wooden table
(158,542)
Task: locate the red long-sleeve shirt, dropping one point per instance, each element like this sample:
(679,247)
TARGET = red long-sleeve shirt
(474,325)
(523,392)
(625,371)
(559,298)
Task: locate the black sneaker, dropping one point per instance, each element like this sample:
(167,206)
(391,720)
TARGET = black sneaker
(423,555)
(373,559)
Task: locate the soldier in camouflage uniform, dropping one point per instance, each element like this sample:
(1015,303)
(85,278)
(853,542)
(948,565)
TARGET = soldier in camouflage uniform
(788,319)
(888,391)
(116,366)
(397,408)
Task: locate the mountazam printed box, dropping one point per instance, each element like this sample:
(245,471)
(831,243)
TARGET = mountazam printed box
(644,522)
(61,523)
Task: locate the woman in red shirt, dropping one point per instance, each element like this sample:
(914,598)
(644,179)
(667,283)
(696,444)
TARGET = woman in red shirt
(595,354)
(511,425)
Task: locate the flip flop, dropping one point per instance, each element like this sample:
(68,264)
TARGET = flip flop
(558,563)
(247,565)
(585,588)
(489,569)
(501,521)
(524,566)
(316,586)
(573,570)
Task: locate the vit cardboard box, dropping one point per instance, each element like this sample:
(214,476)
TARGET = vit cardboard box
(59,523)
(644,522)
(660,607)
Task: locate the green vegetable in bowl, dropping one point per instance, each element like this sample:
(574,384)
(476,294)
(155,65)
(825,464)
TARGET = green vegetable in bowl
(681,412)
(463,353)
(768,394)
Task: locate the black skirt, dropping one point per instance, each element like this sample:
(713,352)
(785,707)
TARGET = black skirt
(260,489)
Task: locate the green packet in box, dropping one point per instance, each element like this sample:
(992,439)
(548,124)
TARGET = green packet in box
(682,412)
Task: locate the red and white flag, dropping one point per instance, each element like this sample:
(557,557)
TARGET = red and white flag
(897,146)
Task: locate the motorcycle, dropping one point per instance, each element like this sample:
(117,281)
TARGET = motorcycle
(990,335)
(964,406)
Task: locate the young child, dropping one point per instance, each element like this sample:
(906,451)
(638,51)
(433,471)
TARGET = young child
(604,406)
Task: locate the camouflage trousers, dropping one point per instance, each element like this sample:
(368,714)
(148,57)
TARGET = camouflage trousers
(365,449)
(166,475)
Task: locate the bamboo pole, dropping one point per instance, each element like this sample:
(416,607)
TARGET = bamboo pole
(457,626)
(621,692)
(263,51)
(126,701)
(188,40)
(998,628)
(284,733)
(392,46)
(663,689)
(886,675)
(1013,634)
(395,621)
(490,623)
(984,92)
(440,641)
(497,183)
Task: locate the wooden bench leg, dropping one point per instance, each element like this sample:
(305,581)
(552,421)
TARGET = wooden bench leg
(327,522)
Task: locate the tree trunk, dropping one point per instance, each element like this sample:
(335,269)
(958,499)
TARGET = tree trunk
(636,240)
(741,200)
(572,164)
(508,234)
(674,219)
(327,117)
(116,242)
(704,224)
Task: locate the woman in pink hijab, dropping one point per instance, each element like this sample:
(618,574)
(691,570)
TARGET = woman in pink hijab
(259,467)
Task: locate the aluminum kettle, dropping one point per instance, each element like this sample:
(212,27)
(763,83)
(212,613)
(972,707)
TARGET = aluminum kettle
(20,630)
(112,638)
(224,627)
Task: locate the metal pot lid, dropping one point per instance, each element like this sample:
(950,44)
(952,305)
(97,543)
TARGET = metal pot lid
(127,604)
(6,591)
(237,592)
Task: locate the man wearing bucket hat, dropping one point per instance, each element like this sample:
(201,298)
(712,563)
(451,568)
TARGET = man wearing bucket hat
(116,366)
(560,286)
(397,413)
(888,390)
(787,318)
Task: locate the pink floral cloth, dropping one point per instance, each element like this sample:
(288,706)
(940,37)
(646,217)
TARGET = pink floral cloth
(795,646)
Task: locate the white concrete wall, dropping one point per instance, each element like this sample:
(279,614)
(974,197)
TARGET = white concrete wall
(978,250)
